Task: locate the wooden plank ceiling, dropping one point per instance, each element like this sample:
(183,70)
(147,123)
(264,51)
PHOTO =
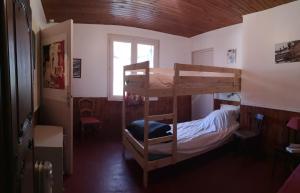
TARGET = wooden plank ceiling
(179,17)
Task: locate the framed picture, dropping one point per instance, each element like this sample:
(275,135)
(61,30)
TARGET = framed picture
(231,56)
(76,68)
(54,65)
(287,52)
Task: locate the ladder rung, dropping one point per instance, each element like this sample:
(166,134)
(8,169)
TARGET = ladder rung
(160,117)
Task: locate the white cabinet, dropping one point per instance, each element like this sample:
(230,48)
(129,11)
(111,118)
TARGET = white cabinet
(48,146)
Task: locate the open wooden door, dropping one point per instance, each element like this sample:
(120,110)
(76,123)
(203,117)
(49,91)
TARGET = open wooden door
(56,100)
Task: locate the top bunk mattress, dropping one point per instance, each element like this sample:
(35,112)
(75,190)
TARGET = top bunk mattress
(191,79)
(163,78)
(161,81)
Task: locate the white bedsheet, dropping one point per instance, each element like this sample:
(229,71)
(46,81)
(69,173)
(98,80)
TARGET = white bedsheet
(196,136)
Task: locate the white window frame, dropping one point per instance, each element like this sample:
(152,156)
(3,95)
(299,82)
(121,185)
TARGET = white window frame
(134,42)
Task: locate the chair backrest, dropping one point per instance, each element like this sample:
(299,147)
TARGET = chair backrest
(292,135)
(259,122)
(86,107)
(287,136)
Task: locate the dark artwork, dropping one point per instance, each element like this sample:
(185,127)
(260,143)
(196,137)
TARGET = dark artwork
(76,68)
(54,65)
(287,52)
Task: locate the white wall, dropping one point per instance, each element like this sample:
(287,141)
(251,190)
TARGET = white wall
(265,83)
(38,14)
(221,40)
(91,44)
(202,104)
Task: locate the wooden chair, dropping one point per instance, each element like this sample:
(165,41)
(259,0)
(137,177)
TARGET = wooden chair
(87,115)
(246,135)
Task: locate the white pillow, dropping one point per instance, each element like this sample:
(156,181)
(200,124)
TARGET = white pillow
(229,107)
(234,108)
(222,118)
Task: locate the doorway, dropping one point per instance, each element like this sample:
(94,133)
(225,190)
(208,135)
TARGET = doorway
(202,104)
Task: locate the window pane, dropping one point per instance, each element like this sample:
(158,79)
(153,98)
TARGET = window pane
(145,53)
(121,57)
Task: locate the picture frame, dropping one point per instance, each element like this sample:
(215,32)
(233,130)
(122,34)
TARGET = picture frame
(54,65)
(76,67)
(287,52)
(231,56)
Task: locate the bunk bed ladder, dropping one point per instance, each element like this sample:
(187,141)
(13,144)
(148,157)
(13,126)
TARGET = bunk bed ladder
(174,148)
(146,131)
(148,141)
(148,118)
(146,145)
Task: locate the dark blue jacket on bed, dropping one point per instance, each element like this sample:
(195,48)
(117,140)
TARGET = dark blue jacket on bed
(156,129)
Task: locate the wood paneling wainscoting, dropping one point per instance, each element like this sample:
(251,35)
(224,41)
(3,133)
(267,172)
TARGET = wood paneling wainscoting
(275,131)
(110,112)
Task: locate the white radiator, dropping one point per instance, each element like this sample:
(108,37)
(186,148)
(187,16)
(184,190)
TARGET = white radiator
(43,177)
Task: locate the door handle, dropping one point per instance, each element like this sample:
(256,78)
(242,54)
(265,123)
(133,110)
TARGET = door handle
(24,127)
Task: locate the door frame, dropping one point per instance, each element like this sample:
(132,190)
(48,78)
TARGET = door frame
(8,96)
(197,114)
(50,34)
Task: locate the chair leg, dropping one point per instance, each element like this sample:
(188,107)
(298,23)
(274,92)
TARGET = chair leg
(236,144)
(240,149)
(124,152)
(82,131)
(274,163)
(145,179)
(95,127)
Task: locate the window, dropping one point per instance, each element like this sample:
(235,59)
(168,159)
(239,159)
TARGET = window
(121,57)
(125,50)
(145,53)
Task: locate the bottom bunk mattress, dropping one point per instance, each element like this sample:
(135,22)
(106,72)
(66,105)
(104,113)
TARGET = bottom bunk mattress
(200,136)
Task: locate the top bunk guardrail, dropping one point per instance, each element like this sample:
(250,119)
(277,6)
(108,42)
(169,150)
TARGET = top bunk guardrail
(184,79)
(199,79)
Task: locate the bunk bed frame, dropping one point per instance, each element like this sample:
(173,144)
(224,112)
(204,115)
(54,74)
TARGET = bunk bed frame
(137,83)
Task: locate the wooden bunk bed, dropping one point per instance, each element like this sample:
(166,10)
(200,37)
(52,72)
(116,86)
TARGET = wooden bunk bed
(184,79)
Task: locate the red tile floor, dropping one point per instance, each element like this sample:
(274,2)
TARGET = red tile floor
(99,167)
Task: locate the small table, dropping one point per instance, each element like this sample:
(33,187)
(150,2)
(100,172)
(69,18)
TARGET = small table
(48,146)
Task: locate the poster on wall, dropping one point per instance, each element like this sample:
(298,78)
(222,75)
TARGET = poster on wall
(231,56)
(54,65)
(287,52)
(76,68)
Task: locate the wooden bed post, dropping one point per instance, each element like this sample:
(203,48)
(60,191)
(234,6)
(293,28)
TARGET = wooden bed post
(146,145)
(146,129)
(123,113)
(174,146)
